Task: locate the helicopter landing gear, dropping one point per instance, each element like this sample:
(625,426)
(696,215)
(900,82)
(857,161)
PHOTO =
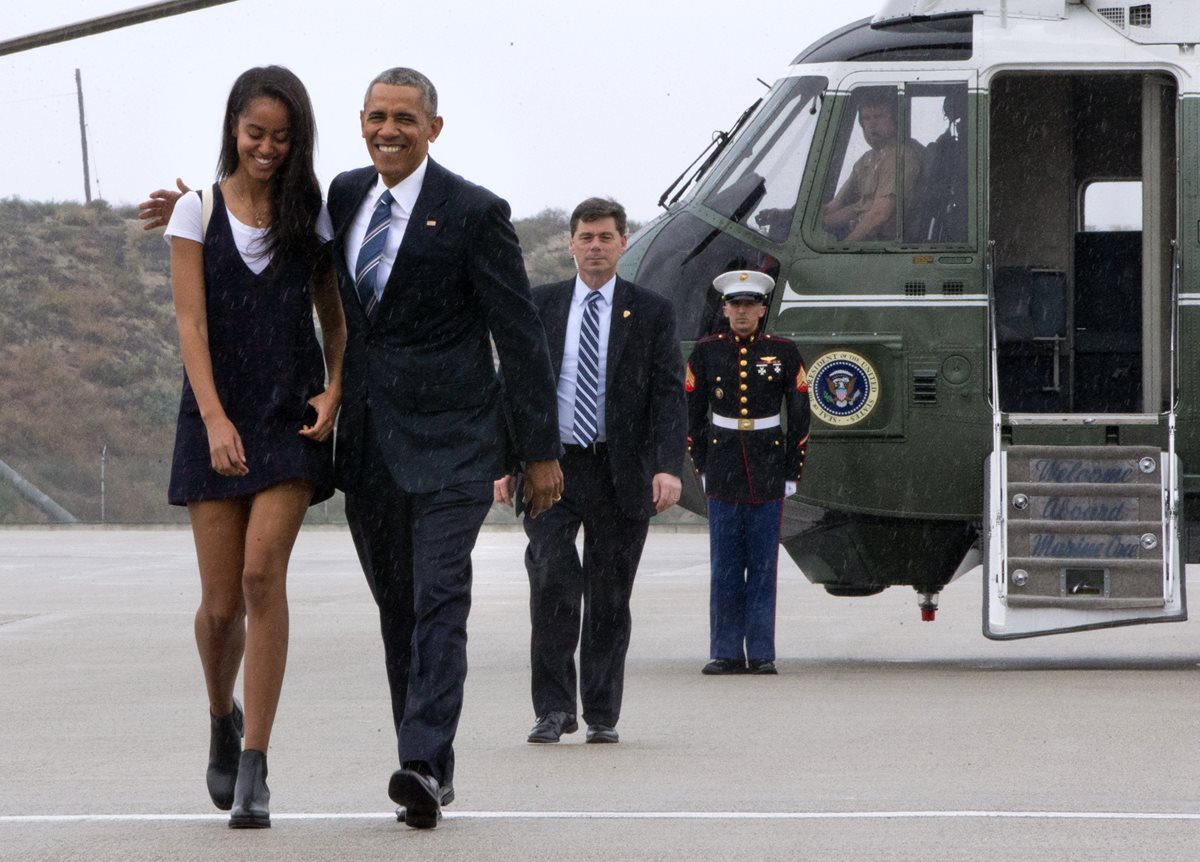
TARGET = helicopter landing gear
(928,603)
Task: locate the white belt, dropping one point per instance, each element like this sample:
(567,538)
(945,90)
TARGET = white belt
(760,424)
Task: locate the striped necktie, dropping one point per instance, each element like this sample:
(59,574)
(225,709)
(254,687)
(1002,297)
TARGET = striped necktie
(366,273)
(588,376)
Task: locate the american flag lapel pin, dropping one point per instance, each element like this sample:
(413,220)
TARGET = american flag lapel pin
(431,222)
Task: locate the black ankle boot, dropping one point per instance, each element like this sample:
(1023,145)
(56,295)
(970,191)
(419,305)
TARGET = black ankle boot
(224,749)
(251,798)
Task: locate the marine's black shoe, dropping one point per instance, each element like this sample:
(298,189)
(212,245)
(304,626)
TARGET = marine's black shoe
(724,666)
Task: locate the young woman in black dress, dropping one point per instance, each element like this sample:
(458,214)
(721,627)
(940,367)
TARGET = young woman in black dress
(253,445)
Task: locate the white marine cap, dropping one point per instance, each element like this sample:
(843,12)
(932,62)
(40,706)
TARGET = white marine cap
(744,284)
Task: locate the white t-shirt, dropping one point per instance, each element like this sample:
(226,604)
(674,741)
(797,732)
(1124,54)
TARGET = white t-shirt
(185,224)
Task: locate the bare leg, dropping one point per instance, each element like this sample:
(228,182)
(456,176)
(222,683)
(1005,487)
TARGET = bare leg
(219,530)
(274,521)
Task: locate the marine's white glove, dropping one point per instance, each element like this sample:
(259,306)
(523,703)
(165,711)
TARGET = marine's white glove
(789,488)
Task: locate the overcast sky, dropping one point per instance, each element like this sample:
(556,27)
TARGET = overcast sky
(544,102)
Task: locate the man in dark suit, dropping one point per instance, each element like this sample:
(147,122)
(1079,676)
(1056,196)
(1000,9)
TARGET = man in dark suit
(429,266)
(622,419)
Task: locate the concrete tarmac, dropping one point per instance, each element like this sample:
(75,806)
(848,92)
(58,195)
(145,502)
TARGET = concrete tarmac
(883,738)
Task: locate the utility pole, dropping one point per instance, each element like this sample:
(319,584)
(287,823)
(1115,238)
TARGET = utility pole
(103,459)
(87,180)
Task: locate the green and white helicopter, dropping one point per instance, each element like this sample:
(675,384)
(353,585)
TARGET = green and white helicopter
(1001,340)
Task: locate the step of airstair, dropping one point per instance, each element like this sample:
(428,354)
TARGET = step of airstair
(1084,526)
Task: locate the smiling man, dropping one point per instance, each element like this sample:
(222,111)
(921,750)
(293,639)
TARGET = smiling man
(431,274)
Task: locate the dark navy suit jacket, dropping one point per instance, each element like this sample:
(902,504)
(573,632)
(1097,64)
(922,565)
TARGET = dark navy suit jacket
(421,368)
(645,411)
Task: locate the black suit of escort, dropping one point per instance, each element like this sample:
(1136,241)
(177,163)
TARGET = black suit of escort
(422,433)
(609,490)
(747,378)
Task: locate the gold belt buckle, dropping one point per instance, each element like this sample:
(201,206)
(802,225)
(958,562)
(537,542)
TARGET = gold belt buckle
(745,424)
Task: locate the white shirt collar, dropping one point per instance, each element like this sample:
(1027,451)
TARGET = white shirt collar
(582,290)
(406,191)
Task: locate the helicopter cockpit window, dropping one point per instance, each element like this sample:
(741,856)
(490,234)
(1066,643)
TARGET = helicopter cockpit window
(936,211)
(760,190)
(879,190)
(875,172)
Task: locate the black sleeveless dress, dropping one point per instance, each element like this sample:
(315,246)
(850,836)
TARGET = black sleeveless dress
(267,363)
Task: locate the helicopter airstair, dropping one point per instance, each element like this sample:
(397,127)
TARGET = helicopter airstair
(1079,535)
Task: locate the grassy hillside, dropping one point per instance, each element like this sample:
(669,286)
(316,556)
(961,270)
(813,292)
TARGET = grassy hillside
(89,356)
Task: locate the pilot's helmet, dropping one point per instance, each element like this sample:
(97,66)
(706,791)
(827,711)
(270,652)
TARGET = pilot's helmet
(744,284)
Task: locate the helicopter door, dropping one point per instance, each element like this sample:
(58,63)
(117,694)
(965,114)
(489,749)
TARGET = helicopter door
(1082,510)
(1081,210)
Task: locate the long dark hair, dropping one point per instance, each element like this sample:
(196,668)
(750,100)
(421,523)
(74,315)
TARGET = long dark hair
(295,192)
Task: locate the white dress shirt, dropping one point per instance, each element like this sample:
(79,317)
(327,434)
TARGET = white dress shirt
(404,198)
(569,372)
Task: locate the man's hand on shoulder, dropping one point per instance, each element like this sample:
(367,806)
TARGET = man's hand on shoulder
(156,211)
(543,486)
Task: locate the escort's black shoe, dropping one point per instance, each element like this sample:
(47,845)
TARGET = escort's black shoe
(224,749)
(763,666)
(251,798)
(551,726)
(723,666)
(447,798)
(415,788)
(602,733)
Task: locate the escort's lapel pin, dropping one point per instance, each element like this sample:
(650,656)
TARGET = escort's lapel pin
(431,223)
(626,313)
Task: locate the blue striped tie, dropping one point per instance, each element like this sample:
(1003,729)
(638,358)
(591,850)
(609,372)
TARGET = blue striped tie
(366,273)
(588,372)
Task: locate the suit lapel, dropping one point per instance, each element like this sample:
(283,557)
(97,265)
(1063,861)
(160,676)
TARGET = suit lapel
(618,329)
(342,211)
(554,316)
(423,224)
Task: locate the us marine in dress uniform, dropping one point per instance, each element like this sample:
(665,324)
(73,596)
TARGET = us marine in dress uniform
(748,416)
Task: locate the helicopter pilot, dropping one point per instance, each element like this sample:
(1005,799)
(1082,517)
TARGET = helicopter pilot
(749,457)
(864,208)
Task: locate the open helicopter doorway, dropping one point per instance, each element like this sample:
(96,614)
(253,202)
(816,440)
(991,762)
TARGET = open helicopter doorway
(1082,196)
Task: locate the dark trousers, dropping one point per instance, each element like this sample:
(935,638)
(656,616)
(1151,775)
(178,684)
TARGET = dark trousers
(743,541)
(415,551)
(559,583)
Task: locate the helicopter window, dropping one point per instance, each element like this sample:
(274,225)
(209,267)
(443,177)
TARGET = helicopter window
(681,263)
(760,191)
(873,172)
(1112,205)
(936,210)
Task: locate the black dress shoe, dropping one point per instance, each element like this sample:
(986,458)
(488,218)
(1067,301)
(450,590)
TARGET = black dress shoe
(447,798)
(551,726)
(224,750)
(602,733)
(763,666)
(723,666)
(251,798)
(415,788)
